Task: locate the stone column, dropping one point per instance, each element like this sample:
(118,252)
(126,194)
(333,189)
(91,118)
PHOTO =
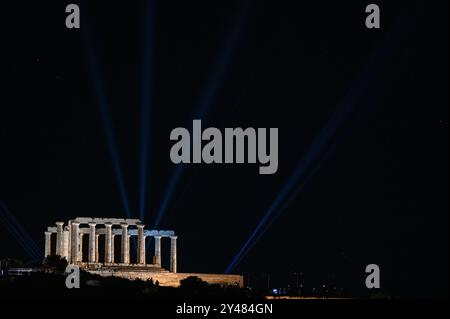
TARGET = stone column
(59,238)
(66,244)
(108,243)
(113,237)
(96,248)
(48,244)
(80,248)
(69,242)
(141,245)
(173,254)
(125,251)
(92,253)
(75,241)
(128,250)
(157,256)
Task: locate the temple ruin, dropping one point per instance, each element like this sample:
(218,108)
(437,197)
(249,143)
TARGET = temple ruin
(69,245)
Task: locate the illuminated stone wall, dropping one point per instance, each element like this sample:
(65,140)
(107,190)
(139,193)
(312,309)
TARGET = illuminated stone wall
(169,279)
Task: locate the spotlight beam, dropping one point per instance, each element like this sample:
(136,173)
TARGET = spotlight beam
(260,231)
(17,236)
(21,230)
(105,118)
(218,76)
(344,110)
(168,194)
(19,233)
(147,94)
(205,102)
(301,170)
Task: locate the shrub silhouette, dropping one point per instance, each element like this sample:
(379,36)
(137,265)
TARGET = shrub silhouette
(55,263)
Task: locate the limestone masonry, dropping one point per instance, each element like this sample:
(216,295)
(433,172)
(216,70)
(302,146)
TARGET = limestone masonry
(69,245)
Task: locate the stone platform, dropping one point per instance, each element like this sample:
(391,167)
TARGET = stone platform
(169,279)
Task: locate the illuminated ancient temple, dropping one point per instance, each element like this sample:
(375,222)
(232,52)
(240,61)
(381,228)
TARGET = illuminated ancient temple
(116,231)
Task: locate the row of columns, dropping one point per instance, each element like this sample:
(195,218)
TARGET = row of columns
(74,252)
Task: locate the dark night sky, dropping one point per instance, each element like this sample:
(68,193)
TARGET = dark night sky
(381,197)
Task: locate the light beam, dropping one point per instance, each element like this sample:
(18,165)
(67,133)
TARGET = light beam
(358,89)
(19,233)
(105,117)
(147,97)
(205,102)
